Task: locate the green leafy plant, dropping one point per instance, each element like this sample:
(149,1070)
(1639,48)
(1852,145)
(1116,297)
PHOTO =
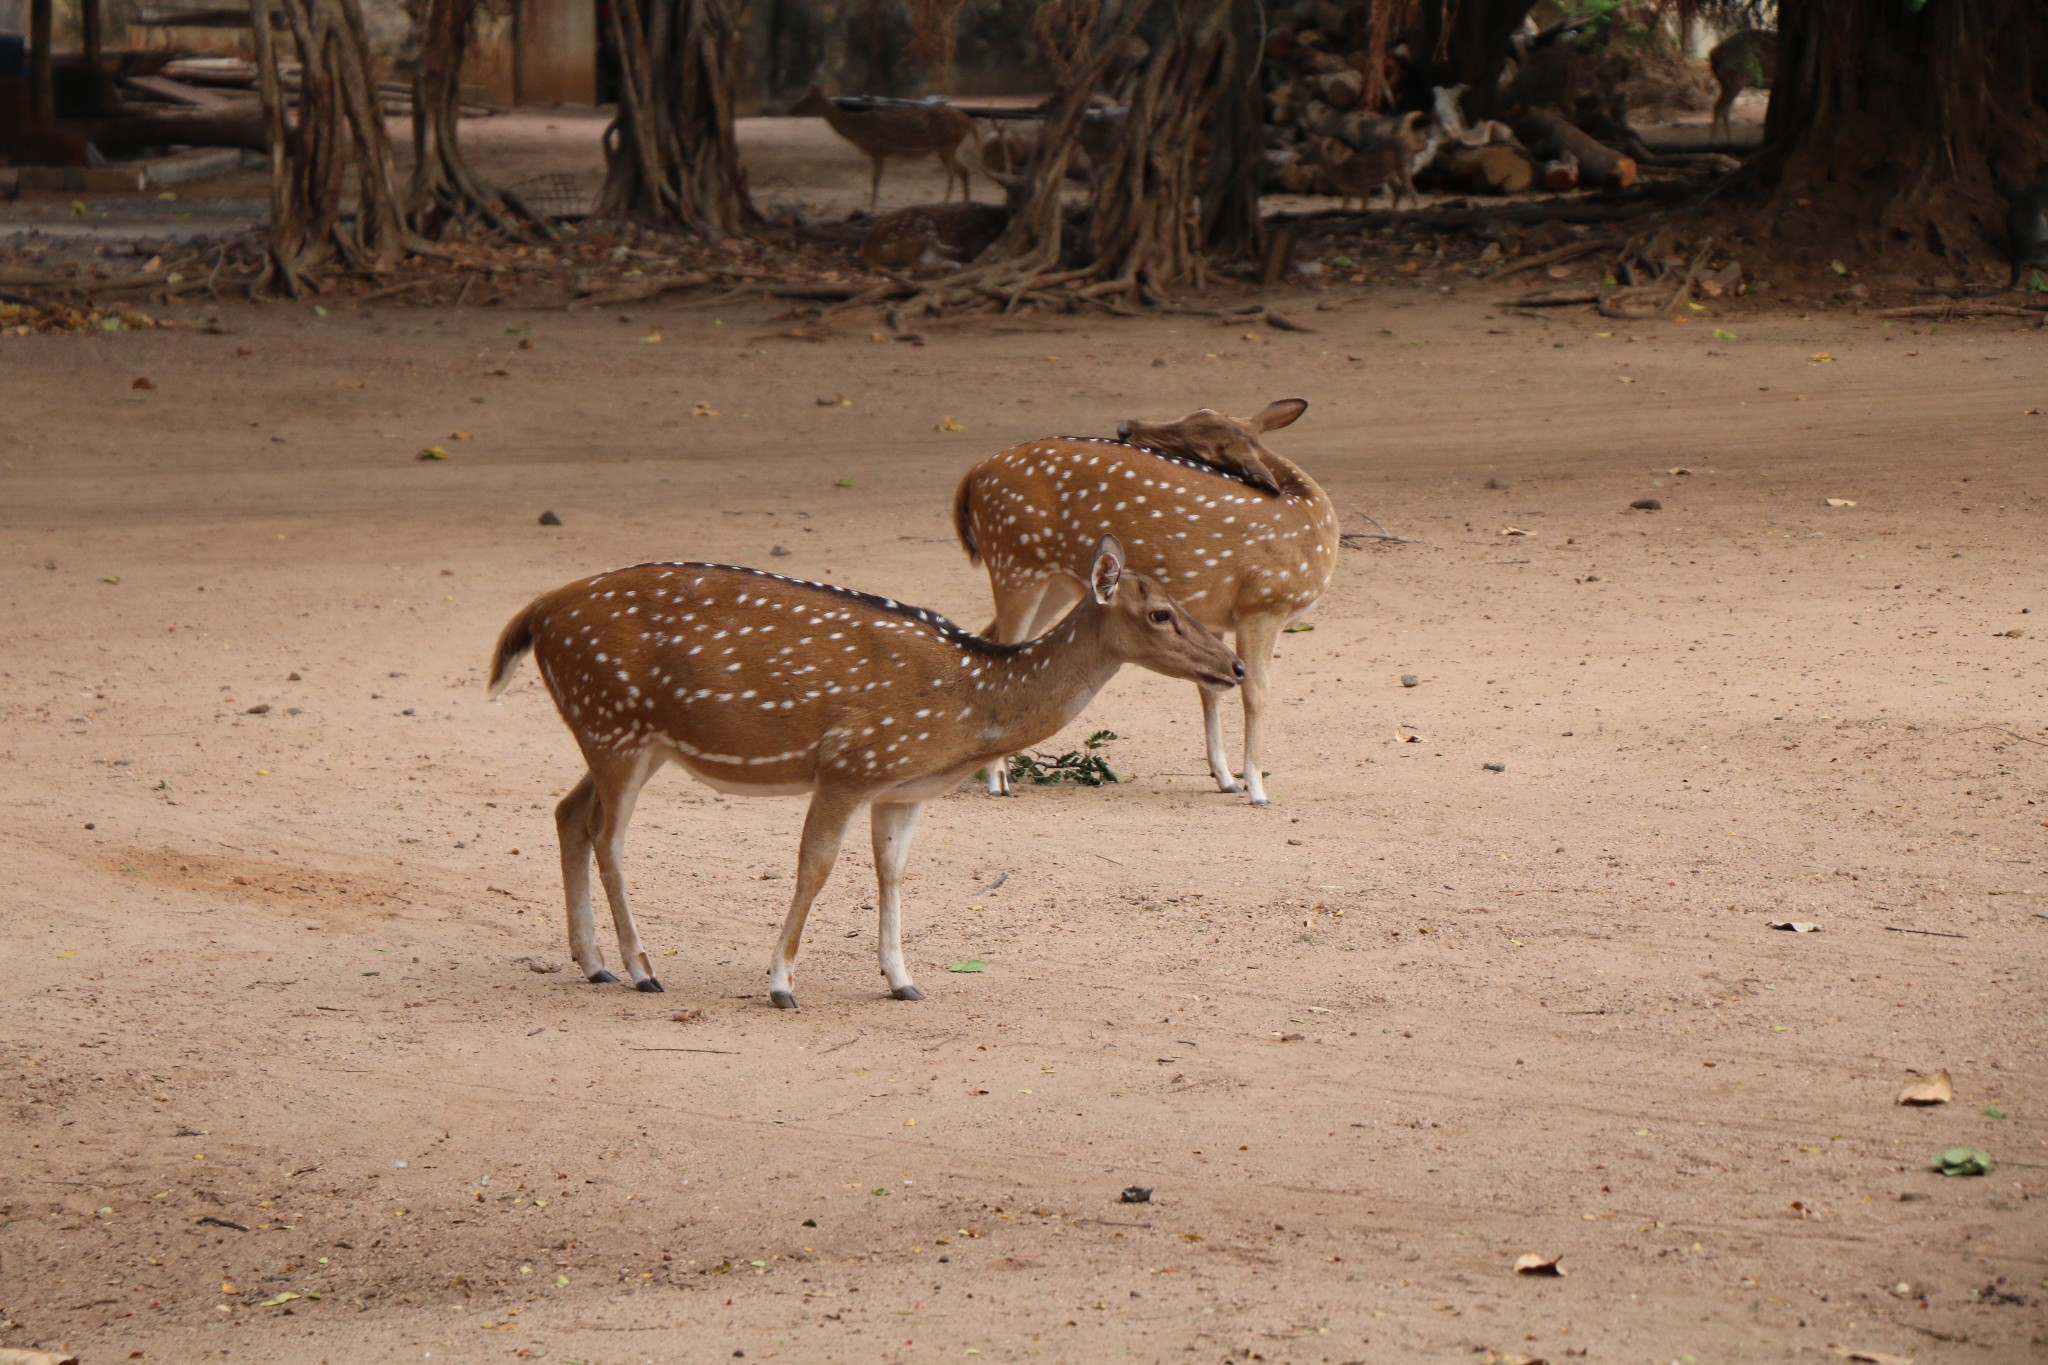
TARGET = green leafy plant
(1084,766)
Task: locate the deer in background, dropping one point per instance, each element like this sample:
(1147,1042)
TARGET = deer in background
(1388,161)
(1742,59)
(762,685)
(1243,537)
(885,130)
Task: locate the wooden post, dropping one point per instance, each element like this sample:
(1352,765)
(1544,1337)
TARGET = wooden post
(89,26)
(42,109)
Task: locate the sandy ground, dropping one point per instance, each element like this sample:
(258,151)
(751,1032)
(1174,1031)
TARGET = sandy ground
(275,1021)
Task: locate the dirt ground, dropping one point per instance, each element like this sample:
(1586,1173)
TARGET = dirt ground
(292,1073)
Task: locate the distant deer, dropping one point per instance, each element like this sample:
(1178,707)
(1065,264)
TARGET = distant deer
(943,234)
(1243,537)
(1388,161)
(1745,58)
(762,685)
(885,130)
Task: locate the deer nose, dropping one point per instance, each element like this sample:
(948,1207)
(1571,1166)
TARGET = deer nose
(1237,668)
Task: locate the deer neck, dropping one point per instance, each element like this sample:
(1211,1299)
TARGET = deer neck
(1033,689)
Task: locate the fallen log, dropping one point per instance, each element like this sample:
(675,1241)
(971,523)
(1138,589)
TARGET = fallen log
(1549,134)
(1494,169)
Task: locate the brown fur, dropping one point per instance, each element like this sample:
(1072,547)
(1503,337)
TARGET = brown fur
(1738,61)
(1245,538)
(765,685)
(1385,162)
(898,130)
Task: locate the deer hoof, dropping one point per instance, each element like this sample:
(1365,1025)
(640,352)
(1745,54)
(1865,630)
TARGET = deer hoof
(650,986)
(784,1000)
(907,993)
(601,977)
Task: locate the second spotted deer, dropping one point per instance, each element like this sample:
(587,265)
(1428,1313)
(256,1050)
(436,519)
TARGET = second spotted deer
(1242,536)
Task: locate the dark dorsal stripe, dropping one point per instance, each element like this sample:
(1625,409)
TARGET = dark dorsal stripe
(946,630)
(1184,461)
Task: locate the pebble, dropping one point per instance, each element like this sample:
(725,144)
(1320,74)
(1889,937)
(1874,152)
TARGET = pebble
(550,519)
(1137,1194)
(1647,505)
(1495,767)
(1410,680)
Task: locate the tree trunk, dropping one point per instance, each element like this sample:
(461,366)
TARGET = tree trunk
(446,194)
(1465,42)
(340,128)
(1893,131)
(670,155)
(1144,219)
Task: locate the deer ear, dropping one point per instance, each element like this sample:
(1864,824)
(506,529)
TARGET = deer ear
(1243,458)
(1280,414)
(1108,570)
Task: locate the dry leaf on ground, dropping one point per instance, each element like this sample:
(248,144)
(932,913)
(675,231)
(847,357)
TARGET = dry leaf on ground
(1935,1089)
(1515,531)
(1529,1263)
(1796,926)
(1841,502)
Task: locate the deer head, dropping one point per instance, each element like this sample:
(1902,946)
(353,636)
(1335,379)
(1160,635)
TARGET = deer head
(1143,625)
(1229,443)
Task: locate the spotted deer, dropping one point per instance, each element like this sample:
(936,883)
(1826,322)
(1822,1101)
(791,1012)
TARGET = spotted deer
(1242,536)
(896,129)
(1744,58)
(761,685)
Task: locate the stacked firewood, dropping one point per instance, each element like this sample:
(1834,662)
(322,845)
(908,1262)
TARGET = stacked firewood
(1324,82)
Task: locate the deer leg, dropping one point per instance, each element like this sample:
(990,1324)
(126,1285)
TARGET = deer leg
(572,824)
(894,827)
(1255,646)
(1016,609)
(875,187)
(1719,130)
(1212,728)
(616,792)
(824,831)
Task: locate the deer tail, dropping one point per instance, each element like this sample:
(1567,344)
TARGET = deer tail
(963,517)
(513,644)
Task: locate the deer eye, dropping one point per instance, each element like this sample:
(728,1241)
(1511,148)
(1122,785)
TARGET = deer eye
(1160,615)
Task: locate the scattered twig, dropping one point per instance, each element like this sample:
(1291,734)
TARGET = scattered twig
(1555,298)
(848,1043)
(1383,533)
(210,1221)
(2003,731)
(1563,253)
(1112,1223)
(994,885)
(1966,308)
(1931,933)
(714,1051)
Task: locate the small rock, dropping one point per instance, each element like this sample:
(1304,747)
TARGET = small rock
(1495,767)
(1410,680)
(293,677)
(779,551)
(1158,363)
(550,519)
(144,383)
(261,708)
(1136,1194)
(1647,505)
(406,712)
